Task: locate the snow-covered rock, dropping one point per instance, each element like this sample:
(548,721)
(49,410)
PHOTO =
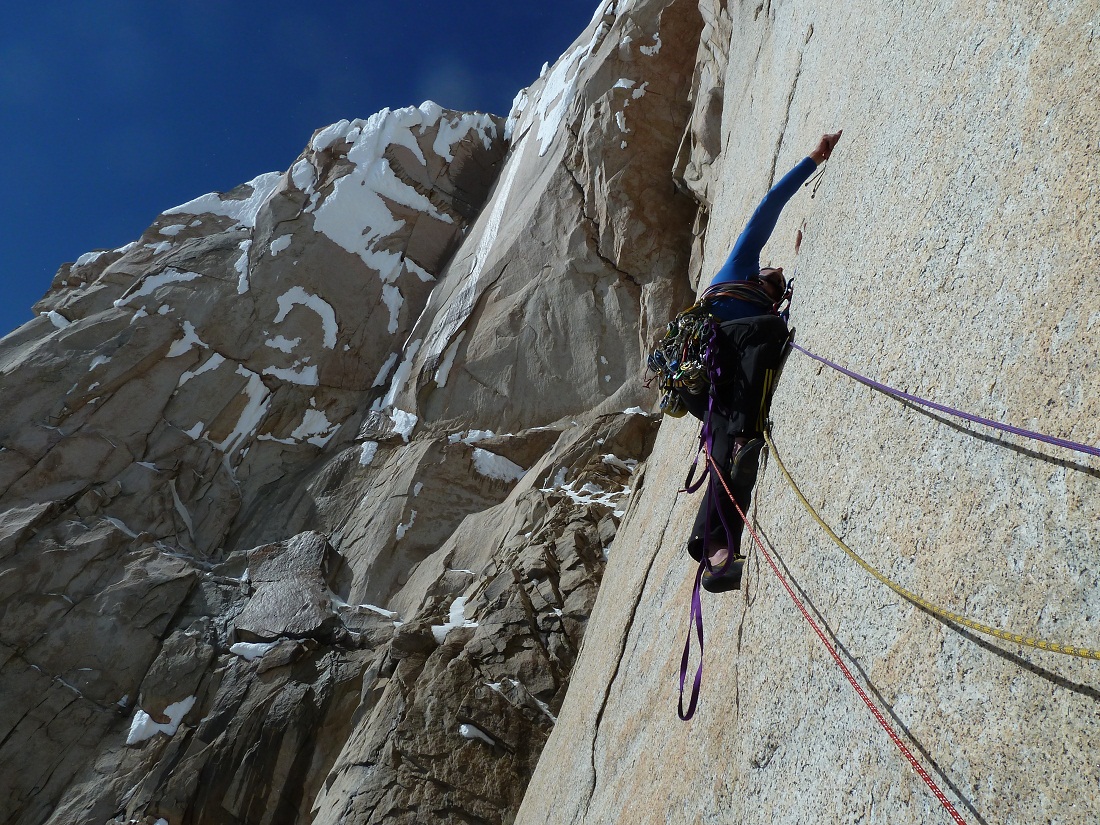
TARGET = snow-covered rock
(341,453)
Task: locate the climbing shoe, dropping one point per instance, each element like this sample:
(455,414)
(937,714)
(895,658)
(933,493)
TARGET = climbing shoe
(729,580)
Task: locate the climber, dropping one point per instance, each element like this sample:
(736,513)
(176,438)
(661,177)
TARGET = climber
(745,298)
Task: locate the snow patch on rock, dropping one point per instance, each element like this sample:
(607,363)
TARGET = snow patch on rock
(143,727)
(402,529)
(283,344)
(253,413)
(367,452)
(279,244)
(215,360)
(456,618)
(242,267)
(444,370)
(496,466)
(315,428)
(403,423)
(384,372)
(190,339)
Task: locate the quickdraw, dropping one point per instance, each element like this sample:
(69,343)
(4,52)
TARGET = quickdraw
(680,361)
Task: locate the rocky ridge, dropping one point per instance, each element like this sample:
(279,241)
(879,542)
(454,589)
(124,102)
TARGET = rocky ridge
(307,493)
(306,496)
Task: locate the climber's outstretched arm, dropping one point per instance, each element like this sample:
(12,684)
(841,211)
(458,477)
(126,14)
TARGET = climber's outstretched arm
(744,261)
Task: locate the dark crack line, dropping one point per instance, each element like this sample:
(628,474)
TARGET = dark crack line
(535,634)
(786,120)
(619,661)
(594,226)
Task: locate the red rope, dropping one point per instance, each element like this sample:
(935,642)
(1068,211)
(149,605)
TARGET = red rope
(921,772)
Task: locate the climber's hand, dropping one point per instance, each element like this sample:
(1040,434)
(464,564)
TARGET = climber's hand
(825,147)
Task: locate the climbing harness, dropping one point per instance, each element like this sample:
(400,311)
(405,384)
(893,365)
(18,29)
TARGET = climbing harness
(977,419)
(895,738)
(955,618)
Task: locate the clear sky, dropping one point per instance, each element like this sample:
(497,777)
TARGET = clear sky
(115,110)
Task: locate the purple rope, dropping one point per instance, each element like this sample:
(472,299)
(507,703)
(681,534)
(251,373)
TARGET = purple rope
(977,419)
(696,618)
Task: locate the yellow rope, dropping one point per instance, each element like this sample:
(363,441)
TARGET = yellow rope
(955,618)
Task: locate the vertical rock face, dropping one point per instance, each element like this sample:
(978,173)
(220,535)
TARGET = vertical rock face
(305,495)
(949,252)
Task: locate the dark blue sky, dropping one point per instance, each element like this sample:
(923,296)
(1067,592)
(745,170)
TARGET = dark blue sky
(112,111)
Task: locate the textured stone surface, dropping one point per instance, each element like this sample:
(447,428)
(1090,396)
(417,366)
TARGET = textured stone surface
(304,510)
(948,252)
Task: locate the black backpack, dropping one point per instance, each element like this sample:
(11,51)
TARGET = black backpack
(749,358)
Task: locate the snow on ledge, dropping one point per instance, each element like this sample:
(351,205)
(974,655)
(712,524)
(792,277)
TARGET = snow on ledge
(470,437)
(57,319)
(143,727)
(149,284)
(243,211)
(496,466)
(457,618)
(474,732)
(251,650)
(381,611)
(88,257)
(306,376)
(628,466)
